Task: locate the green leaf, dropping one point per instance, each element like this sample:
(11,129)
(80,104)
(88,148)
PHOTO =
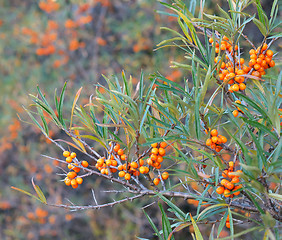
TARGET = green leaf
(153,226)
(74,103)
(165,224)
(196,229)
(276,196)
(260,26)
(27,193)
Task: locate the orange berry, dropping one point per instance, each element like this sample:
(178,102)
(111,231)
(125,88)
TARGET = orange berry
(235,179)
(142,169)
(242,61)
(231,164)
(163,145)
(127,176)
(252,51)
(252,62)
(269,53)
(225,173)
(100,161)
(123,157)
(256,66)
(222,47)
(224,181)
(120,167)
(114,163)
(160,159)
(84,164)
(68,159)
(66,154)
(120,152)
(73,155)
(161,151)
(134,165)
(253,56)
(213,146)
(235,189)
(242,86)
(264,47)
(116,147)
(217,50)
(235,113)
(218,148)
(121,174)
(227,224)
(226,193)
(149,162)
(165,175)
(223,138)
(155,151)
(271,63)
(79,180)
(235,87)
(214,139)
(214,132)
(210,40)
(76,169)
(73,182)
(108,162)
(154,145)
(141,162)
(67,181)
(156,181)
(71,175)
(230,186)
(208,142)
(220,190)
(256,74)
(154,157)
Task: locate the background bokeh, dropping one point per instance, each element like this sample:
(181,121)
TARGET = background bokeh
(46,43)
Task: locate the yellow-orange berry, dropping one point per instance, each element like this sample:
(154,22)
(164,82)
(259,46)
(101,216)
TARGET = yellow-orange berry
(123,157)
(214,132)
(154,145)
(84,164)
(214,139)
(67,181)
(223,182)
(208,142)
(142,169)
(161,151)
(235,113)
(127,176)
(269,53)
(120,167)
(226,193)
(165,175)
(223,138)
(68,159)
(159,159)
(235,179)
(116,147)
(242,86)
(76,169)
(79,180)
(220,190)
(141,162)
(227,224)
(120,152)
(155,151)
(230,186)
(66,154)
(156,181)
(108,162)
(71,175)
(163,145)
(225,173)
(73,155)
(134,165)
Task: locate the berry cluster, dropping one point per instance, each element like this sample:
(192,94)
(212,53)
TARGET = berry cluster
(261,59)
(216,140)
(74,167)
(229,181)
(231,71)
(134,168)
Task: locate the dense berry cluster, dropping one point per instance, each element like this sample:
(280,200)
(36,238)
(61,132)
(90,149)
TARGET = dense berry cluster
(216,140)
(74,167)
(229,182)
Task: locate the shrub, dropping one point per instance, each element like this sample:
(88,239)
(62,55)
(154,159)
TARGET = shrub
(214,139)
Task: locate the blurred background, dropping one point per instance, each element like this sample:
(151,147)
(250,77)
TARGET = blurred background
(46,43)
